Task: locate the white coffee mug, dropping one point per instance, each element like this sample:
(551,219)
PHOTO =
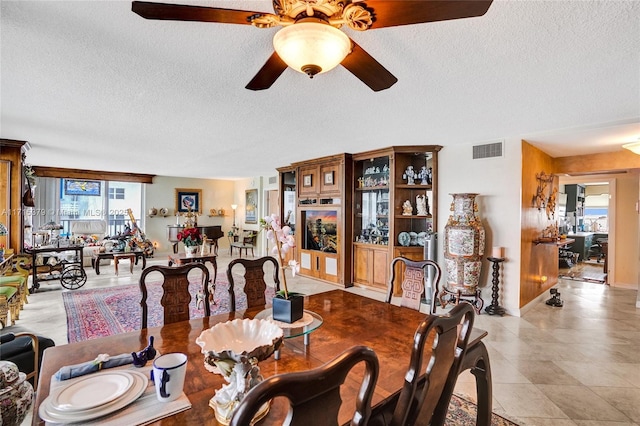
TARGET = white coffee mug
(168,375)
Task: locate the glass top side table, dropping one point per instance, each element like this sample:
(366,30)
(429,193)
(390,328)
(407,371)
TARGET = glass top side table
(309,322)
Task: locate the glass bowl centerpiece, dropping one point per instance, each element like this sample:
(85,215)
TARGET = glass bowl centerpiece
(233,349)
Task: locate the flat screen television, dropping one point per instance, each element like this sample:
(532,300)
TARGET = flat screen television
(321,230)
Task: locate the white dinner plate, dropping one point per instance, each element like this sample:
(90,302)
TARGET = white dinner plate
(92,391)
(49,413)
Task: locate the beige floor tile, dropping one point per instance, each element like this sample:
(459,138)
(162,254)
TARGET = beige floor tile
(526,400)
(532,421)
(581,403)
(625,400)
(543,372)
(594,374)
(602,423)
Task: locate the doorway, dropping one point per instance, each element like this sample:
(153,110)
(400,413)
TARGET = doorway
(587,215)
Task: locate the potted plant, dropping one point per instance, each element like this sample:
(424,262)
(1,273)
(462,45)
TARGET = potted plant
(191,238)
(287,306)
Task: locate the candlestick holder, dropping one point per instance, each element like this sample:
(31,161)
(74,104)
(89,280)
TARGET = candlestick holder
(494,308)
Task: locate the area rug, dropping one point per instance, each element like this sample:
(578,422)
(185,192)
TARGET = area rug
(463,413)
(112,310)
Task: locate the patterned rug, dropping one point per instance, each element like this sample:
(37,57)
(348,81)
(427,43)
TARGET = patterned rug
(112,310)
(463,413)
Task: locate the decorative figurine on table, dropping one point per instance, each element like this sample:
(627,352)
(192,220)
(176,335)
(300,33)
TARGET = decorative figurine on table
(422,205)
(410,175)
(407,209)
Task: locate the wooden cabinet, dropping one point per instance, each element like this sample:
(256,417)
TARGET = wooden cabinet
(323,231)
(371,265)
(323,266)
(388,186)
(350,220)
(12,156)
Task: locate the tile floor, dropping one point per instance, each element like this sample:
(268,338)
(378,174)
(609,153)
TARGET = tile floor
(575,365)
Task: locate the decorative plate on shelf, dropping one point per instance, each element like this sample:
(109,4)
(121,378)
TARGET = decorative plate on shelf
(422,236)
(404,239)
(163,211)
(413,238)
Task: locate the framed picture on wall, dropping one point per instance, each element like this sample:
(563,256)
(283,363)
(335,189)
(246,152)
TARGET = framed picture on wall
(82,187)
(328,178)
(188,200)
(251,206)
(306,180)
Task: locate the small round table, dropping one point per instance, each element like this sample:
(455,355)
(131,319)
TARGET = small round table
(301,327)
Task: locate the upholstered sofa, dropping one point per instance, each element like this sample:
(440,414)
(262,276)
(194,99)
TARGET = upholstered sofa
(89,233)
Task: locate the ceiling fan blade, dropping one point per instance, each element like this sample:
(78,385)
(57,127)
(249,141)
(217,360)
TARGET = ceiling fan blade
(367,69)
(391,13)
(178,12)
(268,74)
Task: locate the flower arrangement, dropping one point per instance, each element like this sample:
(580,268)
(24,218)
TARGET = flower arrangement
(283,241)
(190,237)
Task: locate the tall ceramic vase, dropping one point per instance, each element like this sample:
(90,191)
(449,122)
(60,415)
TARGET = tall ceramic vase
(463,245)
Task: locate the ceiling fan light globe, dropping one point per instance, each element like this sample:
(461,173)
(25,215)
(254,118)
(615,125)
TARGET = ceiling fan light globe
(633,147)
(311,47)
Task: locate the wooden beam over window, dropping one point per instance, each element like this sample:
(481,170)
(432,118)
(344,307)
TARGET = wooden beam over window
(59,172)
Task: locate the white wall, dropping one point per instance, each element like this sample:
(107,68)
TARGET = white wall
(216,193)
(497,181)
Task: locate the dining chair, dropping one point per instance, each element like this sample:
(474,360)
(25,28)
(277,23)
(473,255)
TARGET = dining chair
(314,395)
(175,291)
(255,285)
(439,347)
(414,282)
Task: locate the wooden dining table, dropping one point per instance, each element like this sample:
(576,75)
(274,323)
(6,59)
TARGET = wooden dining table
(348,320)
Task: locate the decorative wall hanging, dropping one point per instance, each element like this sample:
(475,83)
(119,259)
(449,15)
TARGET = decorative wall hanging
(541,198)
(188,200)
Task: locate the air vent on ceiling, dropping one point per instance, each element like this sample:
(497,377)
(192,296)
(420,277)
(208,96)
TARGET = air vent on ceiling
(273,180)
(488,150)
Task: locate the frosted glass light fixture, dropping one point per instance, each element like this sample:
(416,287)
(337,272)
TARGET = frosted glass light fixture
(311,47)
(633,147)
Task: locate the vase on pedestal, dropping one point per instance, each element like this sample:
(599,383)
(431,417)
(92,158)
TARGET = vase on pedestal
(463,245)
(191,250)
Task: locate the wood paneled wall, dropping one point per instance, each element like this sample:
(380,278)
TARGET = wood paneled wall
(537,260)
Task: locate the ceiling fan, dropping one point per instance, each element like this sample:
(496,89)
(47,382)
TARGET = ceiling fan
(310,41)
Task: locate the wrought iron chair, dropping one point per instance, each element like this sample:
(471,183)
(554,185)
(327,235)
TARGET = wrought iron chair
(314,395)
(255,286)
(429,383)
(414,282)
(175,291)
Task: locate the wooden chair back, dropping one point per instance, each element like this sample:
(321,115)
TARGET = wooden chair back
(175,291)
(439,346)
(254,282)
(314,395)
(414,282)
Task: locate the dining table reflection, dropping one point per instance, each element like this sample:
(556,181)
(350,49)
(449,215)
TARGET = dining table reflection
(348,320)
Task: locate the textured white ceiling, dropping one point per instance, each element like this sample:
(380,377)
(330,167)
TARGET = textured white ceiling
(92,85)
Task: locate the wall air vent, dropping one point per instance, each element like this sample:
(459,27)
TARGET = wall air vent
(489,150)
(273,180)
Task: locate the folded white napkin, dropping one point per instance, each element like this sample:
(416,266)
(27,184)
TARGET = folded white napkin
(101,362)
